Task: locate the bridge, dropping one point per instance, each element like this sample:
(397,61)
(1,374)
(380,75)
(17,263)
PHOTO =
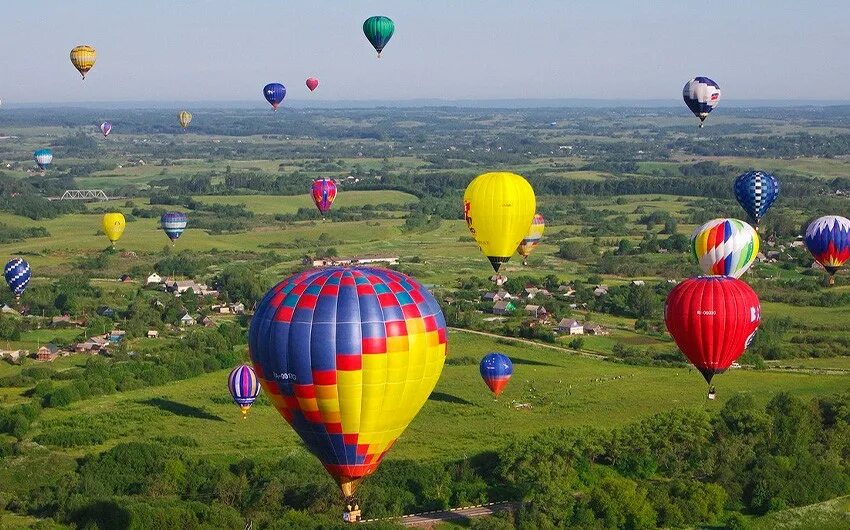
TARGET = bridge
(83,195)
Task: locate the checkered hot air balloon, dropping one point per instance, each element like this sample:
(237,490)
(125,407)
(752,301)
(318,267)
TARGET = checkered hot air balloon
(725,247)
(756,191)
(244,387)
(496,370)
(323,192)
(173,224)
(828,239)
(535,234)
(17,273)
(701,95)
(348,356)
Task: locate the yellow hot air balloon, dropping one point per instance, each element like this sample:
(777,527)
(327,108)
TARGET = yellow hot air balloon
(185,119)
(113,226)
(83,58)
(499,208)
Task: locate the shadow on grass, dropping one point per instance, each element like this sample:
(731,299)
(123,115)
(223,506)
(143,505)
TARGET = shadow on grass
(448,398)
(180,409)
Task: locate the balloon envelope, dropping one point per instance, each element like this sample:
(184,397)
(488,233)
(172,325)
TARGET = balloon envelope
(498,208)
(105,128)
(727,247)
(312,83)
(532,238)
(274,94)
(17,273)
(185,118)
(496,370)
(712,319)
(701,95)
(756,191)
(323,192)
(244,387)
(43,158)
(828,239)
(83,58)
(113,225)
(378,30)
(348,356)
(173,224)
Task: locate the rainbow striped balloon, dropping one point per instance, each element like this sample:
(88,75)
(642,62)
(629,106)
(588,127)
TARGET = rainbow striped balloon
(244,387)
(535,234)
(725,247)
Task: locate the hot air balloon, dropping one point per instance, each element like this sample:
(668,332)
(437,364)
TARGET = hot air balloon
(378,30)
(185,119)
(727,247)
(348,356)
(712,319)
(173,224)
(17,273)
(496,370)
(701,95)
(756,191)
(324,194)
(274,94)
(244,387)
(43,157)
(312,83)
(498,208)
(105,128)
(83,58)
(828,239)
(532,238)
(113,226)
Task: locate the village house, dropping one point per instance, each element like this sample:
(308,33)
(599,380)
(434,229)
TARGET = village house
(154,279)
(12,356)
(237,308)
(498,279)
(105,311)
(8,310)
(531,292)
(125,278)
(48,352)
(187,320)
(355,260)
(220,309)
(92,345)
(153,334)
(536,311)
(181,286)
(570,326)
(595,329)
(207,322)
(116,336)
(503,307)
(638,282)
(600,290)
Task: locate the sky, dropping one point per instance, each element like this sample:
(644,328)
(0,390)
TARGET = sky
(215,50)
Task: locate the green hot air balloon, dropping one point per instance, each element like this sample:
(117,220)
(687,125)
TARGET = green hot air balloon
(378,30)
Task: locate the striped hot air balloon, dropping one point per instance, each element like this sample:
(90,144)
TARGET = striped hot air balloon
(535,233)
(244,387)
(725,247)
(105,128)
(701,95)
(828,239)
(496,370)
(83,58)
(348,356)
(324,194)
(173,224)
(43,158)
(185,118)
(756,191)
(17,273)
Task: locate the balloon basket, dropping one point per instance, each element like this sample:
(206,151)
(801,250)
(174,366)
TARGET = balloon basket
(351,514)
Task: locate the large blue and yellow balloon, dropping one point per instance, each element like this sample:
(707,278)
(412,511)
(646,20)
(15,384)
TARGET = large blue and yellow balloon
(348,356)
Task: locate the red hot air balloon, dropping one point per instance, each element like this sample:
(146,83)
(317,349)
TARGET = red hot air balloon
(712,319)
(323,192)
(312,83)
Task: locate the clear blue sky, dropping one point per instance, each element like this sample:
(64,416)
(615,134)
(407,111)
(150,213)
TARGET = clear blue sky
(216,50)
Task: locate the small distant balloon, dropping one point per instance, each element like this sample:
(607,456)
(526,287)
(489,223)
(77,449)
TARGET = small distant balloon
(113,226)
(378,30)
(173,224)
(17,273)
(83,58)
(312,83)
(105,128)
(756,191)
(43,157)
(185,119)
(324,194)
(496,370)
(274,94)
(535,234)
(244,387)
(701,95)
